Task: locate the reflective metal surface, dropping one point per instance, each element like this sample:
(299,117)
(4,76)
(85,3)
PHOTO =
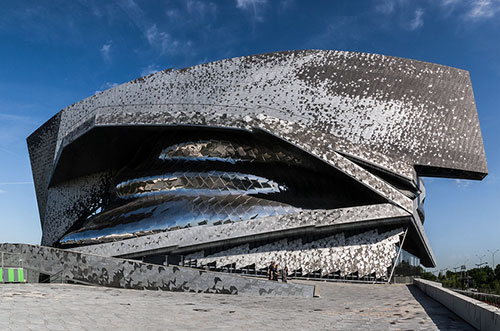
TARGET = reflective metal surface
(225,151)
(189,183)
(174,181)
(151,214)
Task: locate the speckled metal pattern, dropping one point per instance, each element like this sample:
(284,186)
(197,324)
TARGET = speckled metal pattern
(392,105)
(366,253)
(42,150)
(352,111)
(67,201)
(310,141)
(114,272)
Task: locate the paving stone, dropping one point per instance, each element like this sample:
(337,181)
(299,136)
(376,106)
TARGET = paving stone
(342,306)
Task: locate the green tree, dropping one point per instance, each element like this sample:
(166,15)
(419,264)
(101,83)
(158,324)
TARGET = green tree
(427,275)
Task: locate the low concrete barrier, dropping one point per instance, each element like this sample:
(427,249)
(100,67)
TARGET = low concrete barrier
(123,273)
(478,314)
(491,299)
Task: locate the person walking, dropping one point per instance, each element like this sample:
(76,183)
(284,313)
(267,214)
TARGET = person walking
(271,271)
(284,274)
(276,273)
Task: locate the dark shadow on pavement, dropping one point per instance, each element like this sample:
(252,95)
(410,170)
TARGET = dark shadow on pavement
(440,315)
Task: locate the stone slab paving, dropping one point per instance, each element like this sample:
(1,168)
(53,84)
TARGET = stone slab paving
(342,306)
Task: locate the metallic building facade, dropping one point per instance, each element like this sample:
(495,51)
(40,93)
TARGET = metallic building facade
(309,158)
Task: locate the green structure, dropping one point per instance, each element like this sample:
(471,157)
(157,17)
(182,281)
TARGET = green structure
(12,275)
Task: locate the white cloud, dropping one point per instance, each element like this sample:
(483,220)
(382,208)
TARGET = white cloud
(386,6)
(156,33)
(285,4)
(13,183)
(246,4)
(105,51)
(161,40)
(173,13)
(483,9)
(14,117)
(448,7)
(13,129)
(110,85)
(201,8)
(157,39)
(417,21)
(153,35)
(462,183)
(150,69)
(450,2)
(106,86)
(252,6)
(472,10)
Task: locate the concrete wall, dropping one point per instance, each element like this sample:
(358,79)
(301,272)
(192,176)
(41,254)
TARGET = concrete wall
(480,315)
(122,273)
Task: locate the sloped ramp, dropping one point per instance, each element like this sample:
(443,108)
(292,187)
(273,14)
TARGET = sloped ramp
(123,273)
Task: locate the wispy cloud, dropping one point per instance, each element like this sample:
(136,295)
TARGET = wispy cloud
(173,14)
(471,10)
(8,151)
(450,2)
(110,85)
(417,21)
(106,51)
(13,117)
(12,183)
(157,38)
(462,183)
(150,69)
(253,7)
(385,6)
(447,7)
(160,40)
(201,9)
(285,4)
(411,13)
(106,86)
(481,9)
(13,130)
(404,12)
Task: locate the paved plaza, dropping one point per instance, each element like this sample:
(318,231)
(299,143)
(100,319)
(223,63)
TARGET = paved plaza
(342,306)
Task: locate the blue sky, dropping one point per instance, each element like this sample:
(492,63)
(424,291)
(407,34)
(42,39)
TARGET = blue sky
(55,53)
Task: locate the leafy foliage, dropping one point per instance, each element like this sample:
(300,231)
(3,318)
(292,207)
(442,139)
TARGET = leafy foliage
(483,279)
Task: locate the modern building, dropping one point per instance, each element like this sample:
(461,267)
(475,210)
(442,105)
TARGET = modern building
(313,159)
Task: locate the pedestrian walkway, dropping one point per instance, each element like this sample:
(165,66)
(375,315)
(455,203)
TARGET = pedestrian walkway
(342,306)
